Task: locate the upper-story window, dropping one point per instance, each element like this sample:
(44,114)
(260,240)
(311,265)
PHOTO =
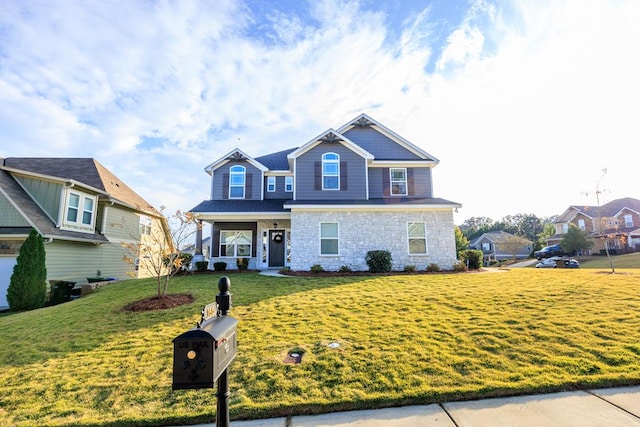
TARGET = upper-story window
(237,179)
(330,171)
(80,211)
(565,227)
(145,225)
(288,184)
(271,184)
(398,181)
(628,220)
(581,224)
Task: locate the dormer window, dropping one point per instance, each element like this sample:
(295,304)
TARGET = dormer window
(80,209)
(398,181)
(330,171)
(237,182)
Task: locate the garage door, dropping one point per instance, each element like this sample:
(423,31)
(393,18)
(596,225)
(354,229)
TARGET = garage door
(6,270)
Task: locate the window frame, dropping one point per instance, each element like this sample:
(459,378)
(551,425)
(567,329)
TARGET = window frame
(237,233)
(271,184)
(628,220)
(422,237)
(237,170)
(398,182)
(145,225)
(581,224)
(335,162)
(335,238)
(80,211)
(288,184)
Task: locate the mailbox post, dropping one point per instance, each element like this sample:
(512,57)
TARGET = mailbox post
(202,355)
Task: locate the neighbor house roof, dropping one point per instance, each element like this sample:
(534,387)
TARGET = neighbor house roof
(86,171)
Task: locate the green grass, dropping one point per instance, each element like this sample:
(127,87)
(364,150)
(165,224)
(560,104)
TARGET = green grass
(406,339)
(619,261)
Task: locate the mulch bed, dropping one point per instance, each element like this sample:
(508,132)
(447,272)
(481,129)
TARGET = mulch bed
(155,303)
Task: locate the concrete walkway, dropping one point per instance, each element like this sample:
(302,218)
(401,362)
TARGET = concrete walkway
(616,407)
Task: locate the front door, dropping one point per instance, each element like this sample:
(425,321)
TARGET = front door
(276,248)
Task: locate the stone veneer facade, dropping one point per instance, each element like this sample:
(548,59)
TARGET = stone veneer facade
(362,231)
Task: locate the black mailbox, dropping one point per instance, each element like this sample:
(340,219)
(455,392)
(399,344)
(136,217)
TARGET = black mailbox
(201,354)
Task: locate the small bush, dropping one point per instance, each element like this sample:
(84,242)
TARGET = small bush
(316,268)
(459,266)
(409,268)
(433,268)
(220,266)
(202,265)
(285,270)
(345,269)
(242,263)
(472,258)
(378,261)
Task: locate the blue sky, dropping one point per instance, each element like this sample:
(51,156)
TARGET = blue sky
(524,103)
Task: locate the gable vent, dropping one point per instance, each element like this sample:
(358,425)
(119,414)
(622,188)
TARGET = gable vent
(330,138)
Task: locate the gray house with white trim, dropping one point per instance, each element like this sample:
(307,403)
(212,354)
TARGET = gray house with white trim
(347,191)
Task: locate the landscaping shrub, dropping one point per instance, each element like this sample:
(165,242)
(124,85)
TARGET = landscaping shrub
(202,265)
(433,268)
(379,261)
(459,266)
(220,266)
(316,268)
(28,284)
(285,270)
(472,258)
(409,268)
(345,269)
(242,263)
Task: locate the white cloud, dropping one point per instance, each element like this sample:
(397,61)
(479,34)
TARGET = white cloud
(158,91)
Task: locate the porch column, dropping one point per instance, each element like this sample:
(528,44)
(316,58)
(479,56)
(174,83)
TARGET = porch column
(199,238)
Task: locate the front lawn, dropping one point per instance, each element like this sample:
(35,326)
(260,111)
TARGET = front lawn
(406,339)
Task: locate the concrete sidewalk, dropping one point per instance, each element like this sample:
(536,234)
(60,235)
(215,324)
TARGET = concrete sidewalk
(616,407)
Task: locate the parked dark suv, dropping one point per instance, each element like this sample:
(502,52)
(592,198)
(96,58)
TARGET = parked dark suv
(549,251)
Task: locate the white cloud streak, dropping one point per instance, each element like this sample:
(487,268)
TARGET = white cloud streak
(526,103)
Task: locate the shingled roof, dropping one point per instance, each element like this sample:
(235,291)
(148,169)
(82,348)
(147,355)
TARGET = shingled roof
(87,171)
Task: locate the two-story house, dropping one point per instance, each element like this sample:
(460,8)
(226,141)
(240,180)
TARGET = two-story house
(616,224)
(347,191)
(85,214)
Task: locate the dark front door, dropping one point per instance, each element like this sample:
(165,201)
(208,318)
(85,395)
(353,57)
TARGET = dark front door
(276,248)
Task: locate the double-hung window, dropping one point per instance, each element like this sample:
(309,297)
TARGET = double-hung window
(80,211)
(271,184)
(417,235)
(329,238)
(330,171)
(145,225)
(398,181)
(237,176)
(235,244)
(628,221)
(581,224)
(288,184)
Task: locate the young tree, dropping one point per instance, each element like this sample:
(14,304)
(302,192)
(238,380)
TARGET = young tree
(513,244)
(462,242)
(548,230)
(601,221)
(160,256)
(28,283)
(576,240)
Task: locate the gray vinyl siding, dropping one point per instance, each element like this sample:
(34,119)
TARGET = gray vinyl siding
(46,193)
(352,177)
(379,145)
(9,215)
(253,184)
(420,185)
(279,193)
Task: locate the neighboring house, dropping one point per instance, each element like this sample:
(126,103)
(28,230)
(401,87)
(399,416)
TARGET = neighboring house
(616,223)
(345,192)
(206,248)
(499,245)
(83,212)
